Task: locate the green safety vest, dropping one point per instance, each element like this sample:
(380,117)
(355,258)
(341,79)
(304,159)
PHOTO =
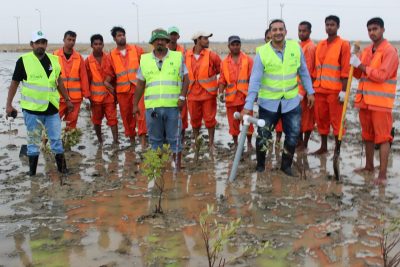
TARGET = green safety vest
(279,78)
(162,86)
(38,90)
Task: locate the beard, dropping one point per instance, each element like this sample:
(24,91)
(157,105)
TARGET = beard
(40,51)
(160,48)
(122,42)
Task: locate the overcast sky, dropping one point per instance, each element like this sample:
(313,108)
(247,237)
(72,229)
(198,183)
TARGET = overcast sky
(248,19)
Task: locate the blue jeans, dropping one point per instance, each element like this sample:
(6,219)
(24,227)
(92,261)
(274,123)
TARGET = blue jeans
(164,120)
(291,122)
(34,126)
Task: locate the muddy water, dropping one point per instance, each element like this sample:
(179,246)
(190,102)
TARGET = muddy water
(91,220)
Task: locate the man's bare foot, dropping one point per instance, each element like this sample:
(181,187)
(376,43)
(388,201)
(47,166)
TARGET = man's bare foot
(249,147)
(211,148)
(300,147)
(364,170)
(380,181)
(320,151)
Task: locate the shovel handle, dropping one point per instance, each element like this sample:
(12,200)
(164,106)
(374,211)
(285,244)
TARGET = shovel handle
(346,100)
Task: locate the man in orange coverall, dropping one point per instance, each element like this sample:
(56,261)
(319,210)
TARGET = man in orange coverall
(307,114)
(234,84)
(102,99)
(330,79)
(203,66)
(74,76)
(125,61)
(376,93)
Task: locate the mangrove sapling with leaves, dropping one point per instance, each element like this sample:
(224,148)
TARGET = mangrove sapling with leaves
(216,236)
(389,242)
(155,162)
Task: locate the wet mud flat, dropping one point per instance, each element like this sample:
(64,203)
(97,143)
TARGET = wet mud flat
(92,219)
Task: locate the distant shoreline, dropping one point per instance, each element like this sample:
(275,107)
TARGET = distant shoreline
(84,48)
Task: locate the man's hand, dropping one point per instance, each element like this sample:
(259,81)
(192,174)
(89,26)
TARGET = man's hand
(70,106)
(355,61)
(341,96)
(109,87)
(87,103)
(181,103)
(221,97)
(136,110)
(310,101)
(245,112)
(11,112)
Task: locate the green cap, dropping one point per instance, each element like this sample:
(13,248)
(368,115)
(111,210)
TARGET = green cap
(173,29)
(158,34)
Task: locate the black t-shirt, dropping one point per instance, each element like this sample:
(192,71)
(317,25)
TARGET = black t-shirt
(20,75)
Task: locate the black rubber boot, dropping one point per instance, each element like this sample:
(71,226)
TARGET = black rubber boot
(33,161)
(260,155)
(61,163)
(287,160)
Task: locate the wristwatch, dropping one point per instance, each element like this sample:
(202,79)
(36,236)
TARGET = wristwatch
(181,97)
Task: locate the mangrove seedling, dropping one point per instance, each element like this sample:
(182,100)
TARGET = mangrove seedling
(154,168)
(216,236)
(389,241)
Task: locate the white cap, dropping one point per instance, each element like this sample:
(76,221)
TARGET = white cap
(37,35)
(201,33)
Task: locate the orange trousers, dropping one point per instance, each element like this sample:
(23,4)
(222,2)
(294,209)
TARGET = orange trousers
(125,101)
(101,110)
(328,112)
(376,126)
(70,117)
(278,127)
(184,115)
(307,117)
(234,124)
(203,110)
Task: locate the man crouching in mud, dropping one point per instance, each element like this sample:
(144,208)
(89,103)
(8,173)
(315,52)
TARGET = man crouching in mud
(39,73)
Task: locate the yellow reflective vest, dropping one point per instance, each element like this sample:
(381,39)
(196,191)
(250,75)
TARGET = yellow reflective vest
(38,90)
(162,86)
(280,77)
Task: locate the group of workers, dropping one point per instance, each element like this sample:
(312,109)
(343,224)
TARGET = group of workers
(297,86)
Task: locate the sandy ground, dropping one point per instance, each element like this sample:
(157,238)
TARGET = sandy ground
(91,220)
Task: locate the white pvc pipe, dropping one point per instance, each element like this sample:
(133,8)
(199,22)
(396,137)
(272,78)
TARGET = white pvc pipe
(247,119)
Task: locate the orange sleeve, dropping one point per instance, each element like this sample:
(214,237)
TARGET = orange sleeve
(310,58)
(314,73)
(107,67)
(388,67)
(89,73)
(111,70)
(84,79)
(215,62)
(222,79)
(345,60)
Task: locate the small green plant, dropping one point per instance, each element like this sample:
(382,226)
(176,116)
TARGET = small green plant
(199,146)
(268,143)
(154,167)
(71,137)
(389,240)
(216,236)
